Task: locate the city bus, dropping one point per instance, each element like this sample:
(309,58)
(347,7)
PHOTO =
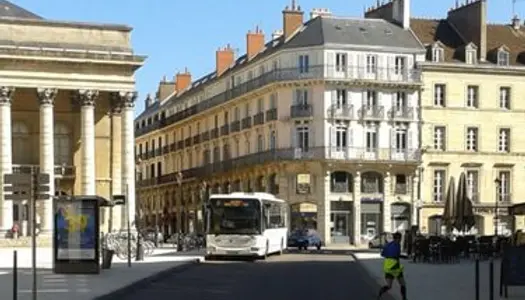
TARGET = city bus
(252,225)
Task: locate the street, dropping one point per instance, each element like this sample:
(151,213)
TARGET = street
(290,276)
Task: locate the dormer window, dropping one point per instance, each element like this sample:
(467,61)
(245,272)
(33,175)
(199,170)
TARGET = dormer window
(503,57)
(471,52)
(438,54)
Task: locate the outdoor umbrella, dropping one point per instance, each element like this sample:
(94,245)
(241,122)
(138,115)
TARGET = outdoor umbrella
(465,213)
(449,214)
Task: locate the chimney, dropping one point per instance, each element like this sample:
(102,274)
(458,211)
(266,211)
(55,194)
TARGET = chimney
(516,23)
(182,80)
(381,11)
(165,88)
(397,11)
(254,42)
(320,12)
(224,59)
(292,19)
(277,34)
(470,20)
(149,101)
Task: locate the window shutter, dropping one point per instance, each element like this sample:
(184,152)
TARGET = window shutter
(350,137)
(293,134)
(393,138)
(330,64)
(333,137)
(350,65)
(410,140)
(311,136)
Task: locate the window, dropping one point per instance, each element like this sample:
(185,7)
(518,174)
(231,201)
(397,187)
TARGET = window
(341,138)
(273,101)
(340,62)
(440,95)
(301,97)
(371,99)
(504,140)
(237,148)
(247,146)
(273,139)
(226,153)
(438,54)
(62,145)
(303,137)
(439,186)
(503,186)
(304,63)
(260,105)
(216,154)
(401,140)
(20,140)
(470,57)
(400,100)
(216,121)
(371,63)
(503,58)
(440,140)
(504,97)
(472,139)
(371,139)
(247,109)
(472,96)
(472,185)
(250,75)
(400,65)
(341,98)
(260,143)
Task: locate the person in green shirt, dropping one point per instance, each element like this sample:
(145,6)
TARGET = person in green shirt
(392,267)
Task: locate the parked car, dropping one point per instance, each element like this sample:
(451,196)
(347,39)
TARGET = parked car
(302,239)
(380,240)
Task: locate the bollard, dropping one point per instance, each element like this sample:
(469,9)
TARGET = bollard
(491,279)
(476,279)
(15,275)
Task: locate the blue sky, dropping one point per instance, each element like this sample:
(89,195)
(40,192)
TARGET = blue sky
(175,34)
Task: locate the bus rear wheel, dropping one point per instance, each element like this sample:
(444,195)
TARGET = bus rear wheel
(281,250)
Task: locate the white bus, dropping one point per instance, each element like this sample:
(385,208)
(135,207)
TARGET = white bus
(246,224)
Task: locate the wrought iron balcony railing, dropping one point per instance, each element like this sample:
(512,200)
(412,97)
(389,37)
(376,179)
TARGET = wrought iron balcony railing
(341,111)
(371,112)
(301,111)
(404,113)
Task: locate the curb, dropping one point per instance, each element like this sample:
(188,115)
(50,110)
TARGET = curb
(143,282)
(369,278)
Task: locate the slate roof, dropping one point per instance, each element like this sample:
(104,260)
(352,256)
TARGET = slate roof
(430,31)
(316,32)
(11,10)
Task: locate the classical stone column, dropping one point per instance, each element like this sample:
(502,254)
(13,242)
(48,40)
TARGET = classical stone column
(6,155)
(116,162)
(387,203)
(414,195)
(87,100)
(357,209)
(128,151)
(46,98)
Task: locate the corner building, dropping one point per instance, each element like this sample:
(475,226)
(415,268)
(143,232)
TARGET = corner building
(66,109)
(472,109)
(324,115)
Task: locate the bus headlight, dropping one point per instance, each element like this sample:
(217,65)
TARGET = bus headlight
(254,249)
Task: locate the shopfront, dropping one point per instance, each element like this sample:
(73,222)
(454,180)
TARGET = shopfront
(371,217)
(400,216)
(341,222)
(303,216)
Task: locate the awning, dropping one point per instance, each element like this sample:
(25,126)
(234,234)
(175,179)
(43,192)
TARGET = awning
(517,209)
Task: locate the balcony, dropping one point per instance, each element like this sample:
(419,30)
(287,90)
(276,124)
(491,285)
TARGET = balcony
(301,111)
(235,126)
(166,149)
(371,112)
(401,113)
(341,187)
(258,119)
(214,133)
(504,198)
(271,114)
(196,139)
(379,154)
(180,145)
(225,130)
(341,111)
(62,171)
(407,76)
(158,152)
(187,142)
(401,189)
(173,147)
(205,136)
(246,123)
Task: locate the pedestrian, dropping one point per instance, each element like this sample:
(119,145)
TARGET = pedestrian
(392,266)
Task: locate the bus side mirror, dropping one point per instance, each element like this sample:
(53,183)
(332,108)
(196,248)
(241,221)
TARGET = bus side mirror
(267,205)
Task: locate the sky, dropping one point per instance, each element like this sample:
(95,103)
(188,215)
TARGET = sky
(176,34)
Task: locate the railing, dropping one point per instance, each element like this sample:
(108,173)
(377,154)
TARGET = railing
(271,114)
(173,147)
(180,145)
(352,73)
(258,119)
(187,142)
(401,188)
(59,170)
(165,149)
(196,139)
(401,113)
(504,198)
(341,187)
(235,126)
(205,136)
(338,111)
(214,133)
(246,123)
(317,153)
(301,111)
(371,112)
(225,130)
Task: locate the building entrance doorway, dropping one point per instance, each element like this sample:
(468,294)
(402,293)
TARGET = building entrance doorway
(341,224)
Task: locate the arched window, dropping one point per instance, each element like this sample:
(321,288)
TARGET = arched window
(62,144)
(20,139)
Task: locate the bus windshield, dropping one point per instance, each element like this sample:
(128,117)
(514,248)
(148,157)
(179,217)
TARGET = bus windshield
(235,216)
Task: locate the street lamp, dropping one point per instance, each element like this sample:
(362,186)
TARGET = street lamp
(140,250)
(204,203)
(496,209)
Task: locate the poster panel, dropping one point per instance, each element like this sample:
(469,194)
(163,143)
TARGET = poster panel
(76,231)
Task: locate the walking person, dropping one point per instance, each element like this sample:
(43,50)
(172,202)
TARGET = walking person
(392,266)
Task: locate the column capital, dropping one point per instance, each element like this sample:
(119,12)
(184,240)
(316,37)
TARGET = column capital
(46,95)
(87,97)
(127,98)
(6,94)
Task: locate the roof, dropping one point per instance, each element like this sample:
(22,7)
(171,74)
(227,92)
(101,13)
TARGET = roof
(430,31)
(317,32)
(10,10)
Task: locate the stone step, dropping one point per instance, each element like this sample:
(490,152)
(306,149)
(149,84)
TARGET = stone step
(41,241)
